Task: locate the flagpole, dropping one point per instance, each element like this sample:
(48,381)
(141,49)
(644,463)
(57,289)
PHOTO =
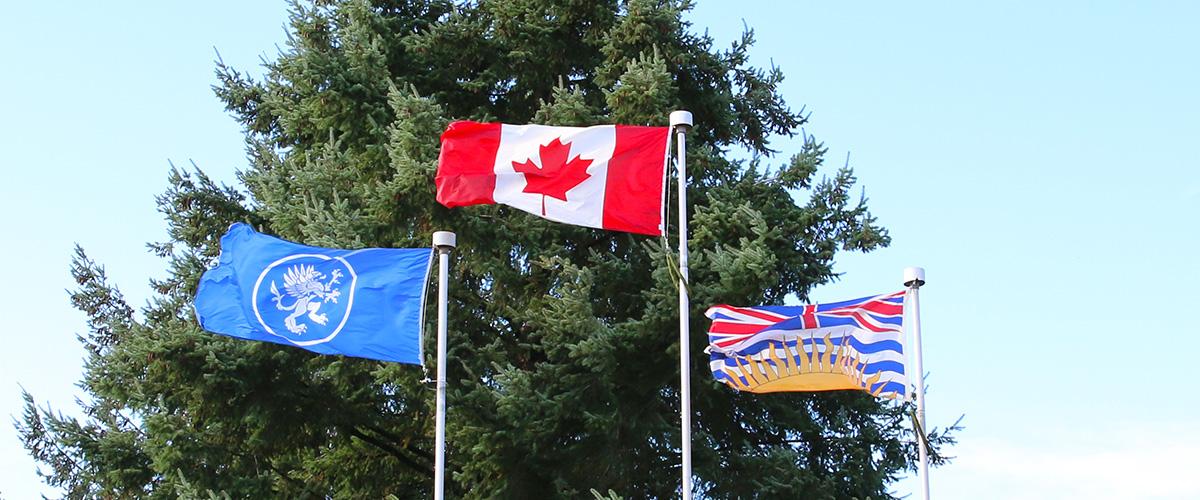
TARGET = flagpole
(444,242)
(681,121)
(914,277)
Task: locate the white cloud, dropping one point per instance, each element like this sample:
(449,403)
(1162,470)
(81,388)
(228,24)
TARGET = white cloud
(1120,463)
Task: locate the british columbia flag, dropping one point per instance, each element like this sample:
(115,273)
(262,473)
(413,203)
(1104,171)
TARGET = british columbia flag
(853,344)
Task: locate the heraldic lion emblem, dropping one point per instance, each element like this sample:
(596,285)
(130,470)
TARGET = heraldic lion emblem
(304,285)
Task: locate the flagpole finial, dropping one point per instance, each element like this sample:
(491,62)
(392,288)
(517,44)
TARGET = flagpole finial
(681,119)
(914,277)
(444,240)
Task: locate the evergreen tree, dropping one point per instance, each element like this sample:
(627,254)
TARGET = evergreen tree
(562,348)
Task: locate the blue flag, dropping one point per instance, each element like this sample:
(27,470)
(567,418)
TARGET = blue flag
(366,303)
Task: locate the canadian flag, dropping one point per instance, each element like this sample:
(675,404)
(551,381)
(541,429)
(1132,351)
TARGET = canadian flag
(608,176)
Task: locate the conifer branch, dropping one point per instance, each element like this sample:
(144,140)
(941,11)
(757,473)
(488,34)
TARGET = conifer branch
(424,470)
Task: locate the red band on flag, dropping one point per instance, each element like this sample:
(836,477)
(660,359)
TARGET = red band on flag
(881,307)
(809,317)
(633,195)
(466,168)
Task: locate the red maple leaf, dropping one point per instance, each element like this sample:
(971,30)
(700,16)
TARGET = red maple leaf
(557,175)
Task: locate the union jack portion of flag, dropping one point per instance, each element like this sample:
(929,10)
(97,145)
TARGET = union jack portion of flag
(854,344)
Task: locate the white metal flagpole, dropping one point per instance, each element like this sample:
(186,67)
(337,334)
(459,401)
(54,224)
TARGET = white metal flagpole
(914,277)
(444,242)
(681,121)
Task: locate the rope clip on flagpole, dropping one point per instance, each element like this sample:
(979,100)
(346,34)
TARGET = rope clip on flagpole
(914,277)
(443,243)
(681,121)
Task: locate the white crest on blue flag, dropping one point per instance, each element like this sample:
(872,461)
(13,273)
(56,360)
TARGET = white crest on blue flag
(314,303)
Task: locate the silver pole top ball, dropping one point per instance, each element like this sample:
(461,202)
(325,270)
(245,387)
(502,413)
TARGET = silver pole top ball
(444,240)
(914,277)
(681,119)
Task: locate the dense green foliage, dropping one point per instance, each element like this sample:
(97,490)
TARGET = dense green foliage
(563,352)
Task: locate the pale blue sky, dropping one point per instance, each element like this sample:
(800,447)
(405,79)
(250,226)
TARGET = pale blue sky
(1039,161)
